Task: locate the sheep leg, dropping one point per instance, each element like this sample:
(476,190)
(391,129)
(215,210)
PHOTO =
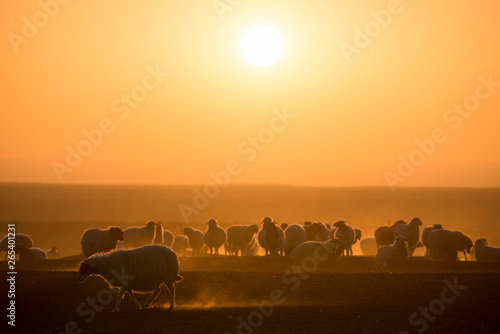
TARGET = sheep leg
(119,299)
(152,297)
(132,296)
(171,289)
(465,255)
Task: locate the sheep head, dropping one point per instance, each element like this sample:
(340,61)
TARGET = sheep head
(358,234)
(481,241)
(266,220)
(151,226)
(87,268)
(253,229)
(212,224)
(339,224)
(187,230)
(284,226)
(307,223)
(415,221)
(115,233)
(400,241)
(467,244)
(437,227)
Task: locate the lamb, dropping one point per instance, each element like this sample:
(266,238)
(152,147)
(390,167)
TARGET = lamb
(398,250)
(411,232)
(294,236)
(53,253)
(425,236)
(180,245)
(145,269)
(240,238)
(347,234)
(331,248)
(384,235)
(444,244)
(486,253)
(158,235)
(96,240)
(168,238)
(195,238)
(21,239)
(270,237)
(368,246)
(134,237)
(30,254)
(214,237)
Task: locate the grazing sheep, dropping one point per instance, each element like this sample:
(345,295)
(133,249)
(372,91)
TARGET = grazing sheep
(214,237)
(30,254)
(384,235)
(411,232)
(294,236)
(316,231)
(134,237)
(332,248)
(270,237)
(368,246)
(21,239)
(444,244)
(347,234)
(486,253)
(168,238)
(96,240)
(398,250)
(425,236)
(195,238)
(145,269)
(158,235)
(53,253)
(180,245)
(240,238)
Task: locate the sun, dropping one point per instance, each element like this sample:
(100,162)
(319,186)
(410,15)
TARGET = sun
(261,45)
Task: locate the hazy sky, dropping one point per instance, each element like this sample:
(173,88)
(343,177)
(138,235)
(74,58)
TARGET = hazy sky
(356,102)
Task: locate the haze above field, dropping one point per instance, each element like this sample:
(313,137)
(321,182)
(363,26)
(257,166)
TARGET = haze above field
(354,117)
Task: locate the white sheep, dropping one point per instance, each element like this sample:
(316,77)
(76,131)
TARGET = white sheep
(347,234)
(214,237)
(331,248)
(411,232)
(158,235)
(97,240)
(20,239)
(425,236)
(486,253)
(141,269)
(270,237)
(53,253)
(444,244)
(180,245)
(135,236)
(195,238)
(30,254)
(368,246)
(240,238)
(294,236)
(398,250)
(168,238)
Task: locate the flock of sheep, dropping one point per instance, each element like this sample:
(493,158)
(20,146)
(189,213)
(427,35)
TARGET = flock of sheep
(147,255)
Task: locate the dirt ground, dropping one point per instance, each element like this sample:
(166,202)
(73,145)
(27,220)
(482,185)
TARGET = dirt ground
(264,301)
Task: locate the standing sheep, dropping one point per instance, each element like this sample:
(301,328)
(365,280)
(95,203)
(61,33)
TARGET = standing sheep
(486,253)
(398,250)
(158,235)
(347,234)
(294,236)
(384,235)
(425,236)
(444,244)
(168,238)
(240,238)
(214,237)
(270,237)
(331,248)
(195,238)
(411,233)
(368,246)
(134,237)
(180,245)
(53,253)
(146,268)
(96,240)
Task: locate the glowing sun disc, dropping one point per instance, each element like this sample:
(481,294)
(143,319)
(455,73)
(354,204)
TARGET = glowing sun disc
(261,45)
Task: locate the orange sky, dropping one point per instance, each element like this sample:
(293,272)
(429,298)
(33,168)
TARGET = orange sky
(353,118)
